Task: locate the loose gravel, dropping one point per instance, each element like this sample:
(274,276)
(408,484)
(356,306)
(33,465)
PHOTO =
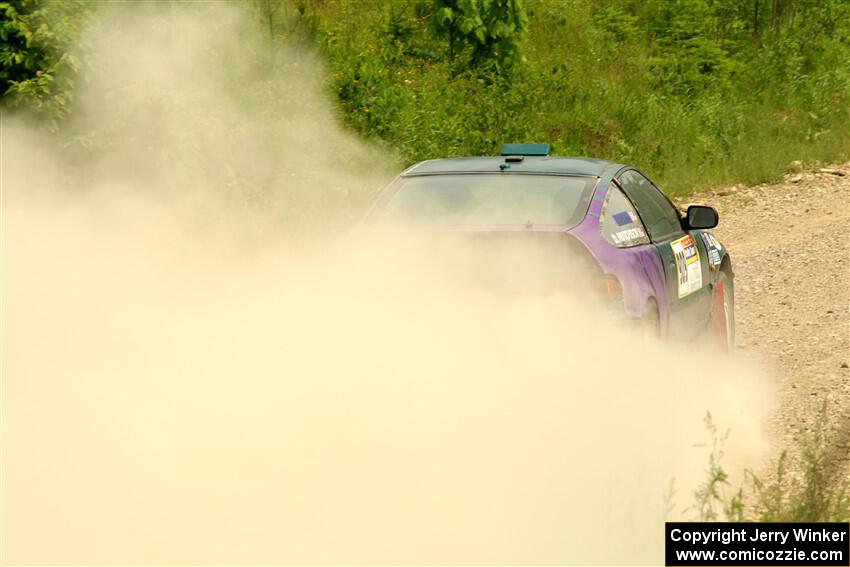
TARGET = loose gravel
(790,249)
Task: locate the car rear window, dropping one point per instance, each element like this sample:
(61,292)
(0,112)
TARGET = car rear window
(484,199)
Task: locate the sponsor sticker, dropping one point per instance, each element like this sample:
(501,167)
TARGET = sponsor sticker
(715,242)
(713,247)
(628,236)
(687,265)
(713,256)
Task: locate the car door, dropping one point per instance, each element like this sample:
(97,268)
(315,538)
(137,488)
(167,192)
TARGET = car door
(683,255)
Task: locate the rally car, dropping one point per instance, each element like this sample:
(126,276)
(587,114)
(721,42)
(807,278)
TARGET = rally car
(663,269)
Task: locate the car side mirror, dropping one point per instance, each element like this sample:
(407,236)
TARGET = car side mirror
(700,216)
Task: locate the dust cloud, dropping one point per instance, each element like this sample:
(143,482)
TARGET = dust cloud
(203,364)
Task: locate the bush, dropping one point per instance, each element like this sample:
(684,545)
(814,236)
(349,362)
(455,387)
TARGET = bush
(37,63)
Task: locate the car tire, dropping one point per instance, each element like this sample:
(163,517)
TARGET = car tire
(722,324)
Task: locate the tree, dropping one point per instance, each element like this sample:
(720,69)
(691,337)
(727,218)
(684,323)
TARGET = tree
(36,61)
(490,30)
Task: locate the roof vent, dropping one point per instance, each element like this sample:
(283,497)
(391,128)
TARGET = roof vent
(525,149)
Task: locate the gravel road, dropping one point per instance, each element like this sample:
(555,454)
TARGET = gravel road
(790,249)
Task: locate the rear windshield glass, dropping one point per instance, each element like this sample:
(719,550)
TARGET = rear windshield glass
(483,199)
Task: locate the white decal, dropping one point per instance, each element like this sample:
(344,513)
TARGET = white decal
(713,256)
(688,266)
(713,248)
(628,236)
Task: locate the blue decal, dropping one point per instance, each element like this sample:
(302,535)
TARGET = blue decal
(622,218)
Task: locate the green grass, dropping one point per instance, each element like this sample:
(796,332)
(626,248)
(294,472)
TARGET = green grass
(807,485)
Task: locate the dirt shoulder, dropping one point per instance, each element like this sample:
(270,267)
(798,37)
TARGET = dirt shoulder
(790,249)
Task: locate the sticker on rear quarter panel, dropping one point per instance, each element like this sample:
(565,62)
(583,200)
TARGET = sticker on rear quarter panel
(713,247)
(687,265)
(628,237)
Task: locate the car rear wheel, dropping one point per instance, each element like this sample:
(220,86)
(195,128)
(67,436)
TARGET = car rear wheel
(722,327)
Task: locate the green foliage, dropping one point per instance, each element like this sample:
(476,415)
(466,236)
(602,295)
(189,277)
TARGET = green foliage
(818,491)
(277,18)
(710,496)
(36,59)
(492,29)
(689,58)
(695,92)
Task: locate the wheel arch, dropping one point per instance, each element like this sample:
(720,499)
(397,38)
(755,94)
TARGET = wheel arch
(726,266)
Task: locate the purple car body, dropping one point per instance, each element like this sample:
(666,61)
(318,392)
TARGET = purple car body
(671,271)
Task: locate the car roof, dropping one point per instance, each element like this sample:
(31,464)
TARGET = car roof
(530,164)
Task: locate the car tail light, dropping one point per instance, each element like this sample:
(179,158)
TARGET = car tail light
(610,288)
